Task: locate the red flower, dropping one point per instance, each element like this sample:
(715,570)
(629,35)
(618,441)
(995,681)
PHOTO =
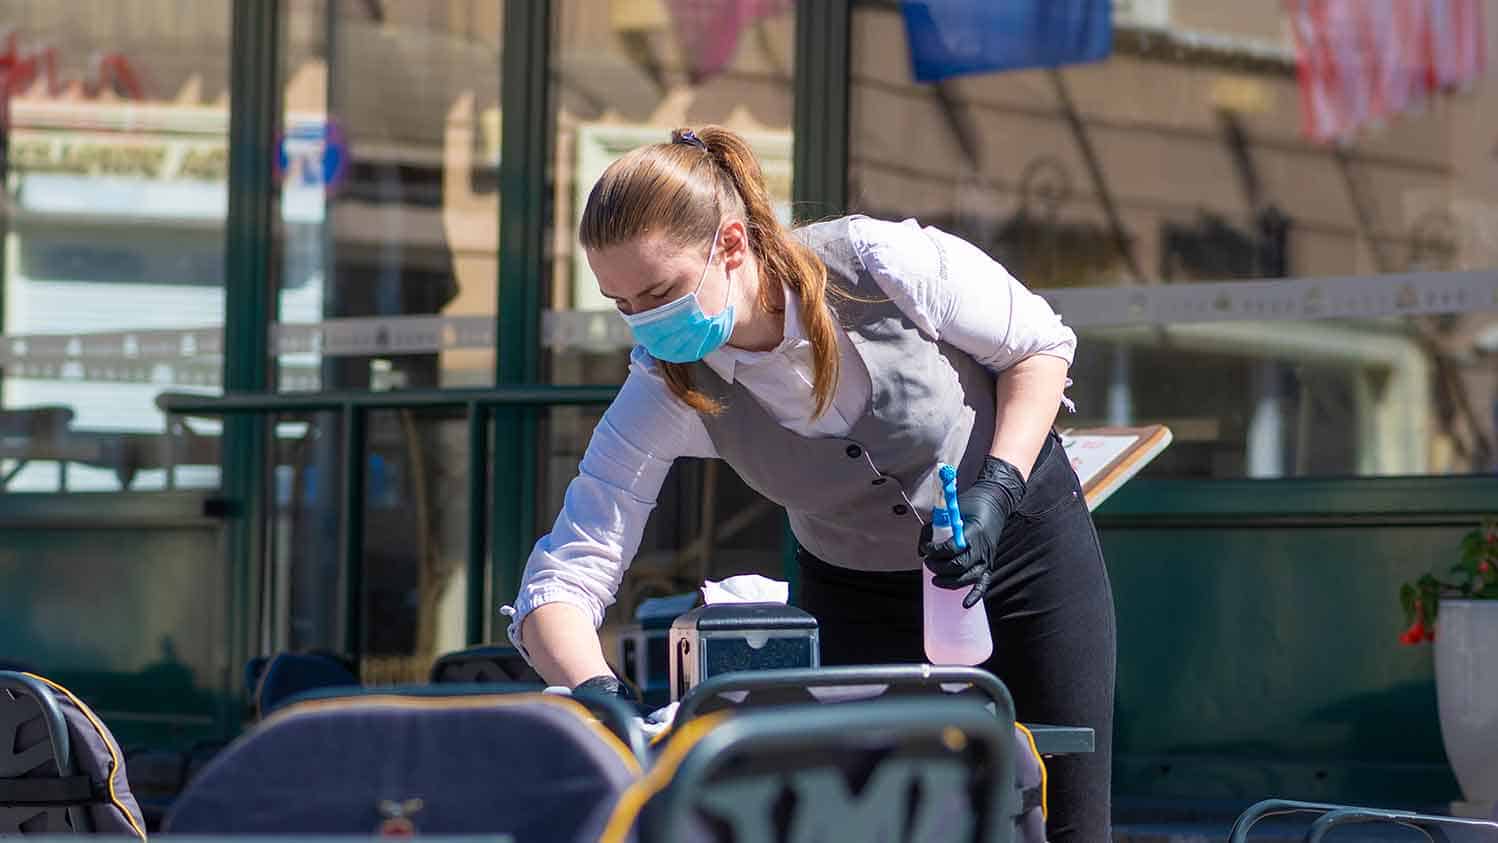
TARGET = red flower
(1415,634)
(1418,631)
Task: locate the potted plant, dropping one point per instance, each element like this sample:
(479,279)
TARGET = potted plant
(1466,670)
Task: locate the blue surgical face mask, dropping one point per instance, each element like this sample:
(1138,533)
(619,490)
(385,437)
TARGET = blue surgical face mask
(678,331)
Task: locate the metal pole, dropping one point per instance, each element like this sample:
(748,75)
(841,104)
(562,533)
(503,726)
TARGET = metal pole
(4,192)
(819,185)
(526,146)
(249,307)
(478,524)
(351,531)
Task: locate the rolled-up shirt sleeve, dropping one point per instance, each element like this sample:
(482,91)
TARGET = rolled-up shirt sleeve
(955,292)
(597,533)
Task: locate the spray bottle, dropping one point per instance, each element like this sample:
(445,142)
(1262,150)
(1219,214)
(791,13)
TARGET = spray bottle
(953,635)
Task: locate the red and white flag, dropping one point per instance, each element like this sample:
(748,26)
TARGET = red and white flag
(1364,61)
(1458,41)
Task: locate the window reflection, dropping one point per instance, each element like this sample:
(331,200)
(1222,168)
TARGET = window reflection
(111,241)
(1220,142)
(389,250)
(625,73)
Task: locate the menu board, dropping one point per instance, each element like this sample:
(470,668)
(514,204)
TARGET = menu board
(1106,457)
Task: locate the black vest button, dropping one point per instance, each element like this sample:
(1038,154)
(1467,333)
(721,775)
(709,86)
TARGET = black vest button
(854,451)
(901,509)
(880,481)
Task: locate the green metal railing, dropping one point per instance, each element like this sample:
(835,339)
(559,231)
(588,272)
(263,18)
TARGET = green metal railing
(478,406)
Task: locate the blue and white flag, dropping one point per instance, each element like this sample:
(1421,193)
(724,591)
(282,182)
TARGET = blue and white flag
(958,37)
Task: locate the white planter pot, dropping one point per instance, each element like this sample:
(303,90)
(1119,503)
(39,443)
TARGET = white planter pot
(1467,689)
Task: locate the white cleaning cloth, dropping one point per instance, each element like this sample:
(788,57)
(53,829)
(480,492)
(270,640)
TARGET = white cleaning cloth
(746,588)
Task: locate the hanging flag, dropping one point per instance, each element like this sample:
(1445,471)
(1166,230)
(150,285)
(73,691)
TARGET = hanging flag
(708,30)
(1335,88)
(1458,41)
(957,37)
(1361,62)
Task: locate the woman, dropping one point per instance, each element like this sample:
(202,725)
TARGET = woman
(833,368)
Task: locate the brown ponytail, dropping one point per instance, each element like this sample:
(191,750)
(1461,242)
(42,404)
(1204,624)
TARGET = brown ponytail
(684,190)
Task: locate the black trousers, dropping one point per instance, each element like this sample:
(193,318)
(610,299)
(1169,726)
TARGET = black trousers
(1053,632)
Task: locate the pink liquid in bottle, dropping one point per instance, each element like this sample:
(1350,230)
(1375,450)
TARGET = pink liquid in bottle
(953,635)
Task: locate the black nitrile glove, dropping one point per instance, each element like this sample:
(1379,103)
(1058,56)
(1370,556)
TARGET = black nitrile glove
(607,685)
(985,506)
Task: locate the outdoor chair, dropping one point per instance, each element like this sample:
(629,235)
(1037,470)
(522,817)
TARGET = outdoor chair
(755,689)
(907,770)
(61,771)
(277,678)
(1435,828)
(484,664)
(537,767)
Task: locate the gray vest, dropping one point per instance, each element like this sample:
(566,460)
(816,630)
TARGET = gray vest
(859,501)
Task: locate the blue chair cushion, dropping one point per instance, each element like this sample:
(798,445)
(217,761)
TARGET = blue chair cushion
(534,766)
(289,674)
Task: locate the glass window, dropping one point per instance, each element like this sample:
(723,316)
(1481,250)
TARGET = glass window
(111,241)
(627,72)
(624,79)
(1346,167)
(388,176)
(413,579)
(113,196)
(389,246)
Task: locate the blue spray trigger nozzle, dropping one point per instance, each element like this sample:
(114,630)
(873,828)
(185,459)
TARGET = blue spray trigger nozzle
(948,476)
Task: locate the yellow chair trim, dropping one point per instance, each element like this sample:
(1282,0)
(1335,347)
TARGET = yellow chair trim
(633,800)
(115,763)
(464,702)
(1044,807)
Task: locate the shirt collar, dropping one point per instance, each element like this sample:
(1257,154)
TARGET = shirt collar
(725,360)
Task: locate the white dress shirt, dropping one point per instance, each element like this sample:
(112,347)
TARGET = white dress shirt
(948,287)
